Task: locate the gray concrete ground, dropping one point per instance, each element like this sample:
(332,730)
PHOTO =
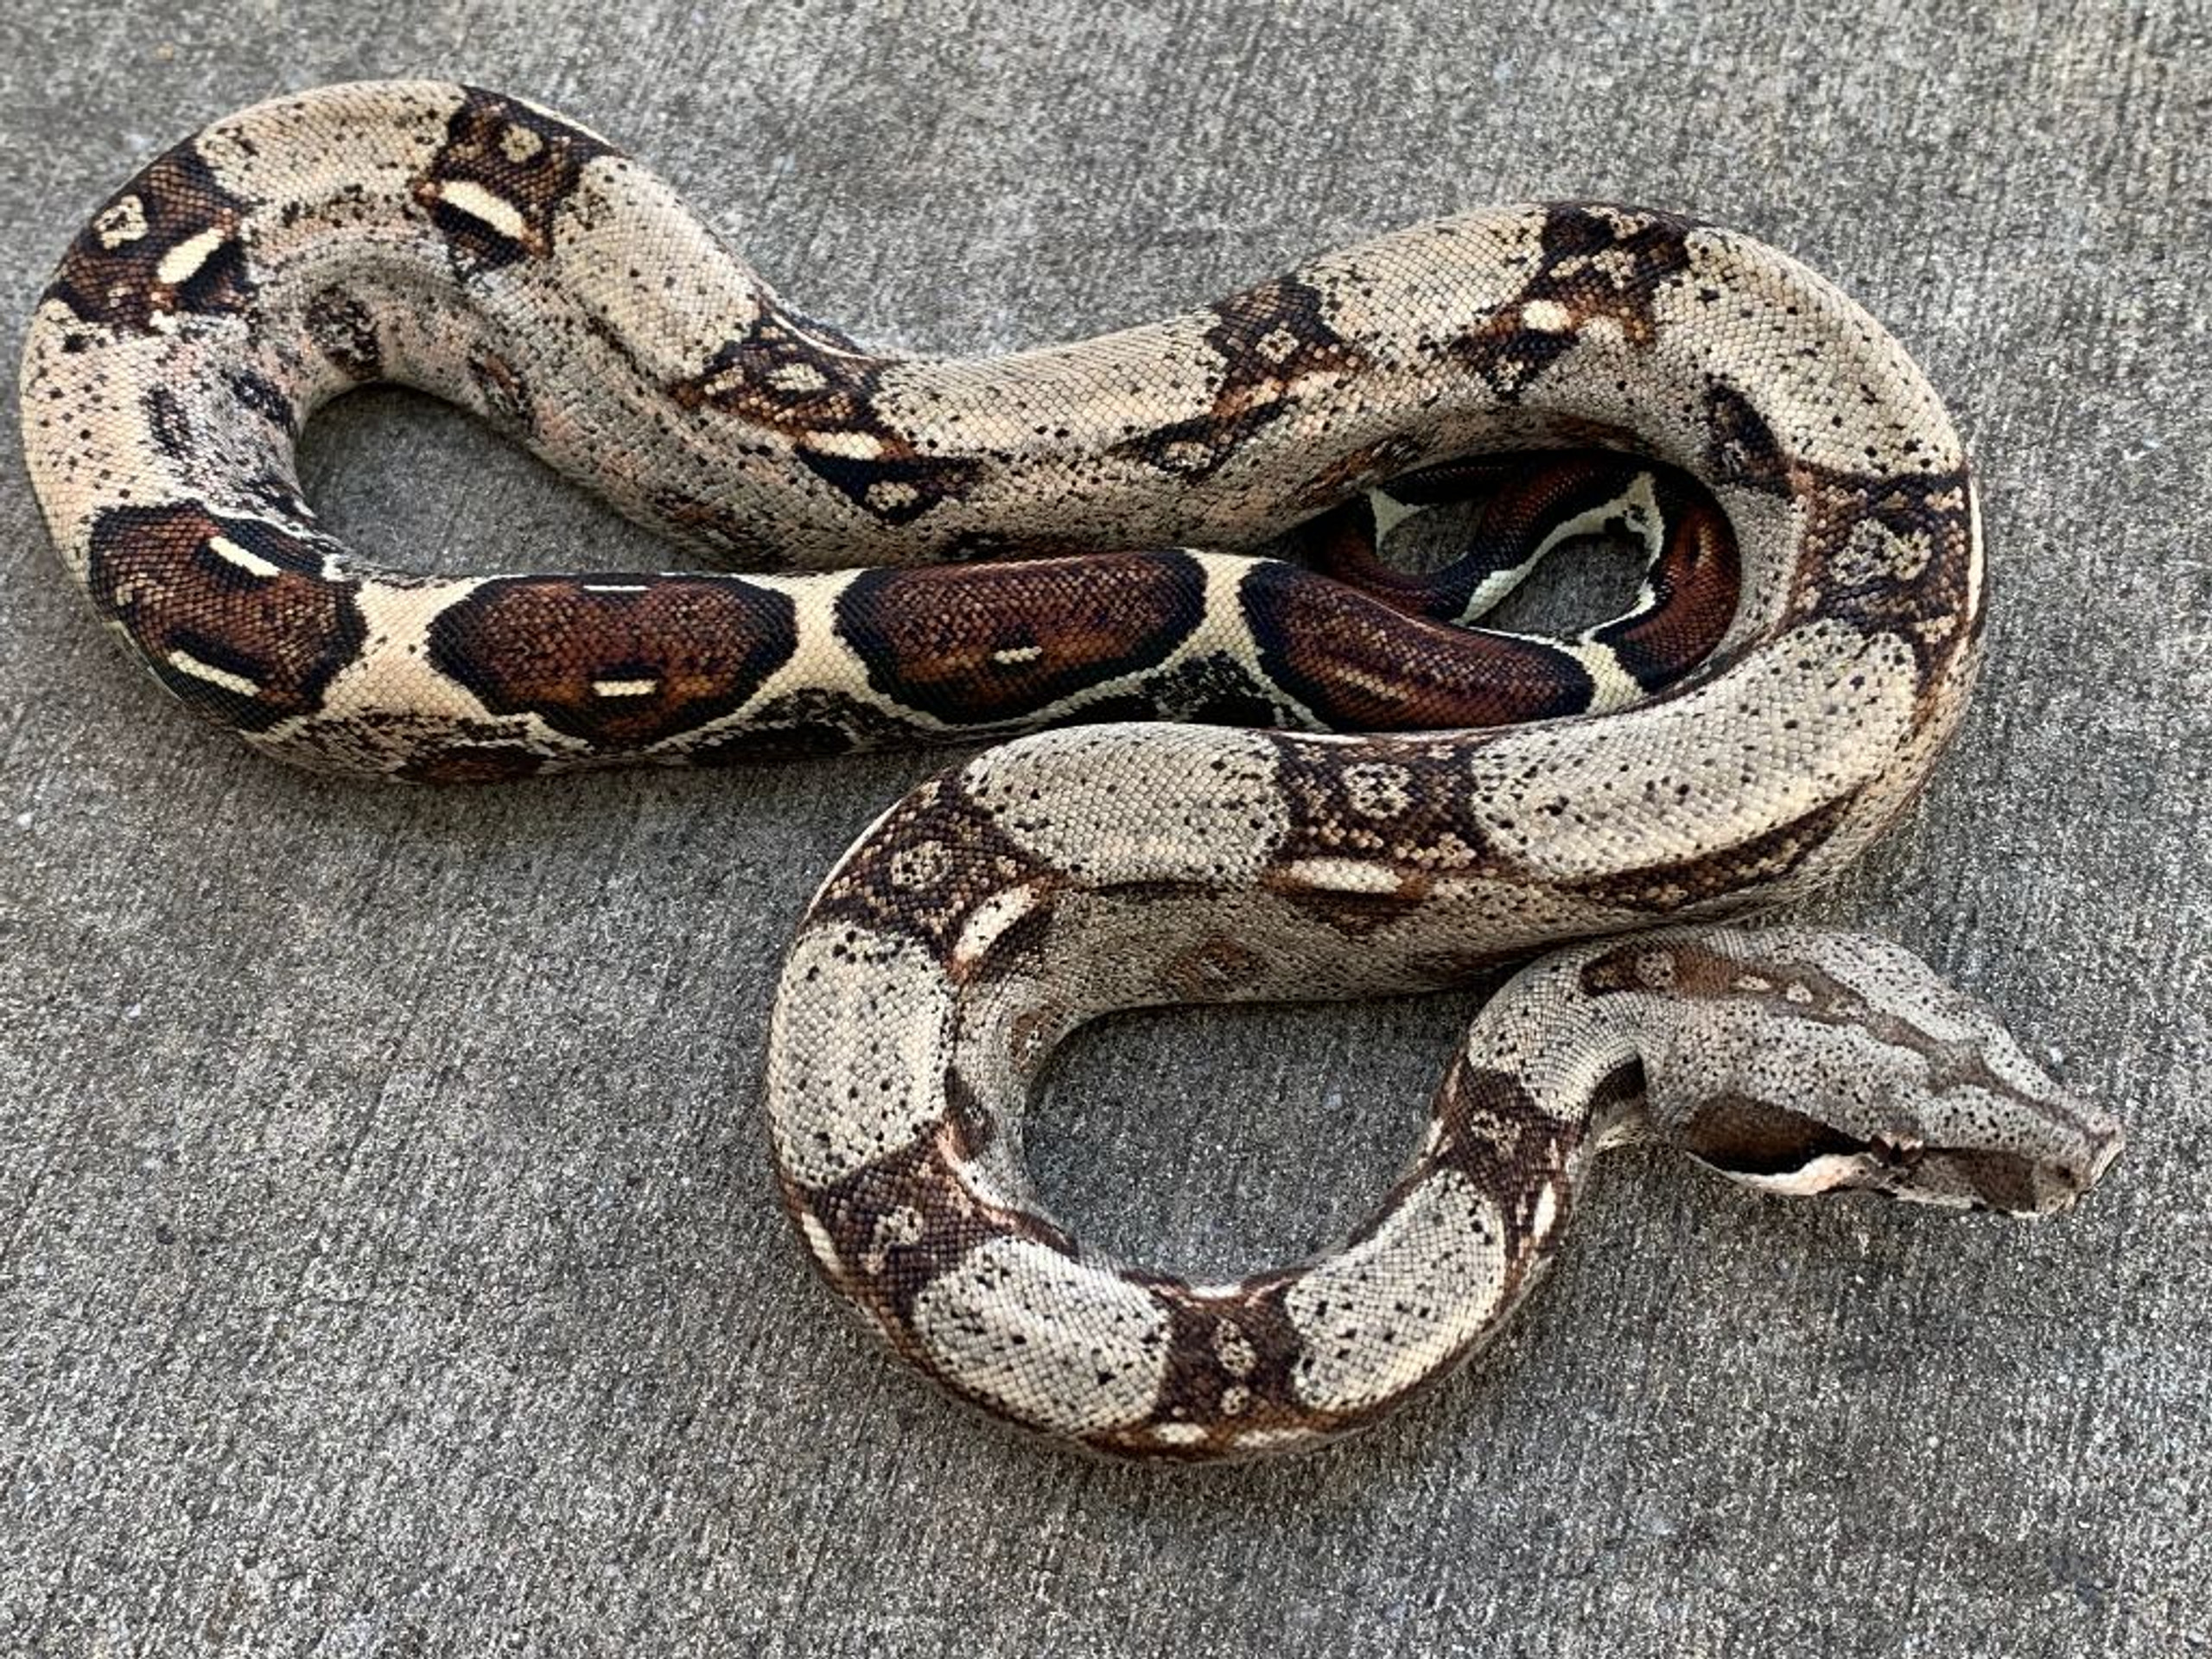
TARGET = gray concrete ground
(388,1261)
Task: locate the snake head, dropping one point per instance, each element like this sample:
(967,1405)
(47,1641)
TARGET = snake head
(1798,1061)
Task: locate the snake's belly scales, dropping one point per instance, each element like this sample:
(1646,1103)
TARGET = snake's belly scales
(1526,794)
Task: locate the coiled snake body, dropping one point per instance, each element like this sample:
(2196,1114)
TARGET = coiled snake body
(1393,798)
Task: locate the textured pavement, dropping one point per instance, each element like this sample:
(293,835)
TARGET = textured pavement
(388,1259)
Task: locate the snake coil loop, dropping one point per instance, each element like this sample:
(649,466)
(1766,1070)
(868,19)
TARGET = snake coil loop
(1388,796)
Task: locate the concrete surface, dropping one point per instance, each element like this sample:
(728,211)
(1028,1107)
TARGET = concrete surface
(388,1263)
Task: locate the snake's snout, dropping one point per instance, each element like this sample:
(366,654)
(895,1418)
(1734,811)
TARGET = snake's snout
(2002,1135)
(2062,1181)
(2009,1182)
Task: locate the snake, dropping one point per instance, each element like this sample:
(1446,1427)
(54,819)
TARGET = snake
(1235,751)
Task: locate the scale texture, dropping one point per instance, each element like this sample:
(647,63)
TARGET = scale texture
(367,1275)
(1736,739)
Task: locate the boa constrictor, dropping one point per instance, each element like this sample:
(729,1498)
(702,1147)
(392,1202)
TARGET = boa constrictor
(1802,650)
